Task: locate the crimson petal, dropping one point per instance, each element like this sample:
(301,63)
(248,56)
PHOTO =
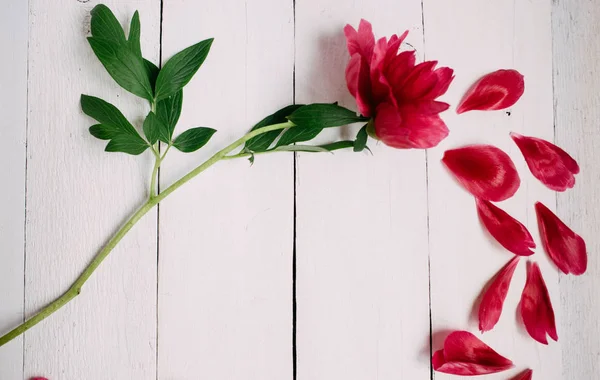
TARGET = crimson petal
(464,354)
(493,299)
(536,307)
(525,375)
(484,170)
(566,249)
(508,231)
(547,162)
(494,91)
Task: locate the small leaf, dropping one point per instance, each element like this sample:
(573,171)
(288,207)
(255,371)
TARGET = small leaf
(338,145)
(134,34)
(106,114)
(153,127)
(300,148)
(361,139)
(263,141)
(169,110)
(127,144)
(104,132)
(193,139)
(180,69)
(124,66)
(324,116)
(105,25)
(152,72)
(298,134)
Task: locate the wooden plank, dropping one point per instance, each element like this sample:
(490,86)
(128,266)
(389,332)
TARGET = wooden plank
(13,97)
(77,196)
(577,112)
(362,274)
(478,38)
(225,281)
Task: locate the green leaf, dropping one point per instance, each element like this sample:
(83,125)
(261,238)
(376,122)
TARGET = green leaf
(106,114)
(338,145)
(324,116)
(127,144)
(193,139)
(113,126)
(153,127)
(134,34)
(180,69)
(104,132)
(263,141)
(361,139)
(106,26)
(300,148)
(298,134)
(124,66)
(169,110)
(152,73)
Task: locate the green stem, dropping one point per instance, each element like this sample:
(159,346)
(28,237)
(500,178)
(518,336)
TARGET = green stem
(75,289)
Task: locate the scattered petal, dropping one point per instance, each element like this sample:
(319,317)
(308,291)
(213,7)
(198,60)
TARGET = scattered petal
(547,162)
(494,91)
(525,375)
(508,231)
(566,249)
(493,299)
(464,354)
(484,170)
(536,306)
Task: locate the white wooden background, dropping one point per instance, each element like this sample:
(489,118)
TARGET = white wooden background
(321,267)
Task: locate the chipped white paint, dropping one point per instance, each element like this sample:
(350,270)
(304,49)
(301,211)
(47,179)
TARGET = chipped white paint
(365,245)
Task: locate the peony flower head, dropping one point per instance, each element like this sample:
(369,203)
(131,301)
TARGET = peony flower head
(397,93)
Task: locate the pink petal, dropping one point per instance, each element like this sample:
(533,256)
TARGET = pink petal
(536,307)
(464,354)
(508,231)
(566,249)
(408,130)
(490,308)
(547,162)
(484,170)
(361,42)
(525,375)
(39,378)
(359,85)
(494,91)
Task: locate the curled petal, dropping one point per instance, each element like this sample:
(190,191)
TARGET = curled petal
(525,375)
(464,354)
(566,249)
(494,91)
(508,231)
(359,83)
(493,298)
(484,170)
(554,167)
(408,129)
(362,41)
(536,307)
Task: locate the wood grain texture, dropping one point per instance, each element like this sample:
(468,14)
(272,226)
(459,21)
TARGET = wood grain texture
(77,196)
(577,115)
(13,97)
(486,36)
(362,281)
(226,238)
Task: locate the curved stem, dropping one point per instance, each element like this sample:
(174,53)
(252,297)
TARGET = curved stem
(75,289)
